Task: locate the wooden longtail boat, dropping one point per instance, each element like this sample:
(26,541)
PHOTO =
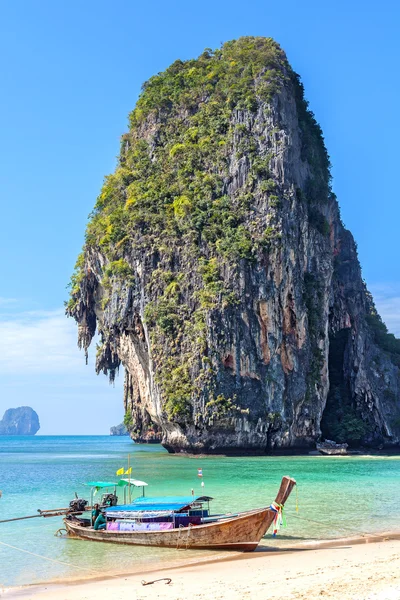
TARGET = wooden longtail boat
(242,531)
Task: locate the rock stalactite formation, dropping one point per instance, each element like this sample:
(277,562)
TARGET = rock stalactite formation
(217,270)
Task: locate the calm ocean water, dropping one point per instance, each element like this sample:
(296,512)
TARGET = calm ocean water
(347,495)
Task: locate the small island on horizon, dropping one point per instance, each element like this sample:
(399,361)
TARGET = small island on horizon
(119,430)
(20,421)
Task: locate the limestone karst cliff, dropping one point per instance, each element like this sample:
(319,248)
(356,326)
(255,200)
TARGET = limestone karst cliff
(218,272)
(20,421)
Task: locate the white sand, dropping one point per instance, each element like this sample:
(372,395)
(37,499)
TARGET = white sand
(363,571)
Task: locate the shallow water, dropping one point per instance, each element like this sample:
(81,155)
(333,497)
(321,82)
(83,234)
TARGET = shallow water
(345,495)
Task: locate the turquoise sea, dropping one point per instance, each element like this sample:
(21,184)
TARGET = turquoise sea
(337,496)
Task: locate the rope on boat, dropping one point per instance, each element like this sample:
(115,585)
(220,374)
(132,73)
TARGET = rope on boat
(349,529)
(68,564)
(166,579)
(179,536)
(188,535)
(58,532)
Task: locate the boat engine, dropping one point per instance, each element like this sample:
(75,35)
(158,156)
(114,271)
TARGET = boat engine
(109,500)
(78,505)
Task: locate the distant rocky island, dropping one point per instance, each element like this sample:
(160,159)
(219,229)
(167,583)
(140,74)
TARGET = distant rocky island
(20,421)
(119,430)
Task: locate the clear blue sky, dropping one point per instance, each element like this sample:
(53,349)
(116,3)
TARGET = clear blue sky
(72,71)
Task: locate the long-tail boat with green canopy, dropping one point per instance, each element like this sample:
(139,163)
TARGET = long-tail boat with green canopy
(181,522)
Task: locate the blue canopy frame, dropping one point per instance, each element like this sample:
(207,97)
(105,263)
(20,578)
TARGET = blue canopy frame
(162,503)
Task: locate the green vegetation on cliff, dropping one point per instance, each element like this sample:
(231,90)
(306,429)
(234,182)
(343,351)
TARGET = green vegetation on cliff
(169,194)
(177,187)
(385,340)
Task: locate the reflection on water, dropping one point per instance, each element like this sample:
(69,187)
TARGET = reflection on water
(338,496)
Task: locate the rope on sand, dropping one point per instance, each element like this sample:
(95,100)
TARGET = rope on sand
(55,560)
(62,562)
(166,579)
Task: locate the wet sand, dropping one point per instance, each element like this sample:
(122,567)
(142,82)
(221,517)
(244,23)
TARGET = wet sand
(363,568)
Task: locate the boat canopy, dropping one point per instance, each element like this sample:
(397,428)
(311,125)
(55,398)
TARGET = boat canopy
(135,482)
(163,503)
(185,500)
(101,484)
(149,514)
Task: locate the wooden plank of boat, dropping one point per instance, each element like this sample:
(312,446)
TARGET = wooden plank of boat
(241,532)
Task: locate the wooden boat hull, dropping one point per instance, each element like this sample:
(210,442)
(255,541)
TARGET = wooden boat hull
(242,532)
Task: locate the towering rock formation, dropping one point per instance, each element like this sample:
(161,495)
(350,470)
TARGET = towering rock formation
(217,270)
(20,421)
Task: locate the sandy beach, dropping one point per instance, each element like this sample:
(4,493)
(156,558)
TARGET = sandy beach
(368,570)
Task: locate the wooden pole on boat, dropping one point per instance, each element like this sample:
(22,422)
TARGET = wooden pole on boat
(129,484)
(287,484)
(20,518)
(56,512)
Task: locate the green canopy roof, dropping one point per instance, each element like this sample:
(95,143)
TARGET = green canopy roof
(135,482)
(101,484)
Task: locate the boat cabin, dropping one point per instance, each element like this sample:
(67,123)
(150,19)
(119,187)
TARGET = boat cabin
(158,514)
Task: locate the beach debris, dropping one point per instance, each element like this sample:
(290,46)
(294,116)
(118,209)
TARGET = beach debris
(166,579)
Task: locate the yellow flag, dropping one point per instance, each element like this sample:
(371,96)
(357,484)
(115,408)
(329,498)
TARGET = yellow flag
(120,472)
(128,471)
